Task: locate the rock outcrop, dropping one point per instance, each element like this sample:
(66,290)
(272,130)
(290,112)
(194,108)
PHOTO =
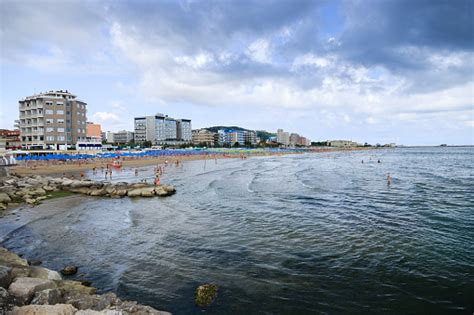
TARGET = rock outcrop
(38,291)
(34,189)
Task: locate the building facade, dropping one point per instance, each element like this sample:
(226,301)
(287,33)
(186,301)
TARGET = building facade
(342,143)
(283,137)
(122,137)
(161,129)
(93,131)
(11,139)
(52,120)
(204,136)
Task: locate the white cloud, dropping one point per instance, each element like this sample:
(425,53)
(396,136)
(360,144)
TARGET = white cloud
(259,51)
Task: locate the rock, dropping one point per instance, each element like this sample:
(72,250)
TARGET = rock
(74,288)
(34,262)
(3,206)
(30,201)
(81,183)
(110,189)
(134,192)
(41,198)
(120,192)
(44,273)
(205,294)
(169,189)
(147,192)
(23,289)
(38,192)
(58,309)
(4,298)
(160,191)
(86,283)
(47,297)
(4,198)
(49,188)
(5,276)
(97,192)
(81,190)
(138,185)
(104,312)
(69,270)
(10,259)
(129,307)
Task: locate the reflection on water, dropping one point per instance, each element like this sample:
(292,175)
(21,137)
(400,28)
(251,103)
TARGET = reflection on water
(293,234)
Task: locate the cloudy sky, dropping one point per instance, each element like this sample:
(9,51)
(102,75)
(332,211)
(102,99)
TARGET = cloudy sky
(371,71)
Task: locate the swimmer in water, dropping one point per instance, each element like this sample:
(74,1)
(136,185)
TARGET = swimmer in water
(389,179)
(378,161)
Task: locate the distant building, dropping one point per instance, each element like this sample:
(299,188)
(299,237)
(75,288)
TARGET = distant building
(109,137)
(204,136)
(161,129)
(283,137)
(93,131)
(10,139)
(122,137)
(250,137)
(54,120)
(342,143)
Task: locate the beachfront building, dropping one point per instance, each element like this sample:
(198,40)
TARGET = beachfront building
(161,129)
(93,131)
(122,137)
(283,137)
(204,137)
(250,137)
(343,143)
(10,139)
(52,120)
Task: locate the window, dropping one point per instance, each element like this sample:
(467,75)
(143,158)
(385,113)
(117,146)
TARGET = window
(60,112)
(49,112)
(60,121)
(49,129)
(50,121)
(60,129)
(79,130)
(61,138)
(49,138)
(49,103)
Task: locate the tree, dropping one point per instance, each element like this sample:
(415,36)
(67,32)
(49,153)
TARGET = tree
(147,144)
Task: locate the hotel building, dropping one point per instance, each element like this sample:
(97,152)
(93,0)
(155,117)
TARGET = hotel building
(161,129)
(52,120)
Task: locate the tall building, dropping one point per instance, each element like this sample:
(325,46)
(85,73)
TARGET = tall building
(283,137)
(161,129)
(52,120)
(185,132)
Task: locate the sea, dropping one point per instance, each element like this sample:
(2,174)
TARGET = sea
(316,233)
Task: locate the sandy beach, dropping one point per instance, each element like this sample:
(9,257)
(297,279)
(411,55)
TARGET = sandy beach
(42,168)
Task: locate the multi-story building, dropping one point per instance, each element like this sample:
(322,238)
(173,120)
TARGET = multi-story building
(204,136)
(250,137)
(342,143)
(161,129)
(54,120)
(11,139)
(184,130)
(93,131)
(122,137)
(283,137)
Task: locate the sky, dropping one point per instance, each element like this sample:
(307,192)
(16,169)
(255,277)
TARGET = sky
(369,71)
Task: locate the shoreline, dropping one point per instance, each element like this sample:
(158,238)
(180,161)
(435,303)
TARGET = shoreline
(39,168)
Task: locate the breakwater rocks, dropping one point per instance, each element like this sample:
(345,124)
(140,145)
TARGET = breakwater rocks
(26,289)
(33,189)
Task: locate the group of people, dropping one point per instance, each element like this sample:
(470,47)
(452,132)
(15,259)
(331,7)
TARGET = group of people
(389,177)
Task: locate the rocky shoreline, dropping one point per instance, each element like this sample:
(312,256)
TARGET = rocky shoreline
(35,188)
(27,289)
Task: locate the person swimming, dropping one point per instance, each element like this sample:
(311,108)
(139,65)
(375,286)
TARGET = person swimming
(389,179)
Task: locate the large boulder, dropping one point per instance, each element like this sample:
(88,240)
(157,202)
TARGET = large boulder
(10,259)
(58,309)
(4,198)
(98,192)
(134,192)
(81,183)
(4,299)
(169,189)
(73,288)
(47,297)
(23,289)
(5,276)
(44,273)
(147,192)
